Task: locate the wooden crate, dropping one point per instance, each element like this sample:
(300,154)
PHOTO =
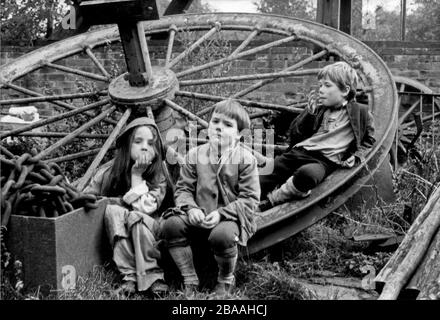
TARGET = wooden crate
(55,251)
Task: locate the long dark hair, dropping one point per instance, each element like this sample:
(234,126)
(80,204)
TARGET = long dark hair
(119,177)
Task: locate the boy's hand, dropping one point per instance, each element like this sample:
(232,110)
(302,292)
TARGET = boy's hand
(313,101)
(195,216)
(349,163)
(211,220)
(141,164)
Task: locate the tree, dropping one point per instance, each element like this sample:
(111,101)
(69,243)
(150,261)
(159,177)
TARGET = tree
(293,8)
(29,20)
(198,7)
(424,22)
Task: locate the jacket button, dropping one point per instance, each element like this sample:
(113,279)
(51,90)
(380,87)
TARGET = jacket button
(214,195)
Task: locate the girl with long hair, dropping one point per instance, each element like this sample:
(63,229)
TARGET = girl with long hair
(136,182)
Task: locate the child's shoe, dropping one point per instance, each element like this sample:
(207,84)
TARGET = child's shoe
(264,205)
(222,290)
(127,288)
(159,288)
(190,290)
(286,192)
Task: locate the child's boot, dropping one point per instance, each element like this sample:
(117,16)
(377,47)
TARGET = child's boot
(286,192)
(183,258)
(225,279)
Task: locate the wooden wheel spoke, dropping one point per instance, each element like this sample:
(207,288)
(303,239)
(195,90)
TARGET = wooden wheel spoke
(240,48)
(186,113)
(52,98)
(75,133)
(57,103)
(77,72)
(98,64)
(272,76)
(237,56)
(53,119)
(291,68)
(191,48)
(172,33)
(50,134)
(112,137)
(297,108)
(77,155)
(408,112)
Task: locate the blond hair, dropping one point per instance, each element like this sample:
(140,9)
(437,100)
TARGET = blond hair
(343,75)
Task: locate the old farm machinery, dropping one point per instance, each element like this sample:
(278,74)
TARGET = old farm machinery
(173,88)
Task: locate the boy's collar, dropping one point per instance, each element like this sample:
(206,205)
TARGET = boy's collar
(214,151)
(345,103)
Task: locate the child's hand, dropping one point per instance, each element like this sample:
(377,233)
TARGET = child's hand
(349,163)
(211,220)
(195,216)
(142,163)
(313,101)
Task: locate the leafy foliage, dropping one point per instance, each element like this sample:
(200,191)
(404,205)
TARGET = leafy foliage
(293,8)
(424,22)
(28,20)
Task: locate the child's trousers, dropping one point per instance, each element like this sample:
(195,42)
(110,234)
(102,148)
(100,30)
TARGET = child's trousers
(307,168)
(223,239)
(133,238)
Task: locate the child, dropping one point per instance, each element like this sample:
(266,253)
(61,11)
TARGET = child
(333,131)
(218,192)
(135,176)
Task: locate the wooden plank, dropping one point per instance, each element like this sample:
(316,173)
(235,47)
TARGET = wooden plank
(46,246)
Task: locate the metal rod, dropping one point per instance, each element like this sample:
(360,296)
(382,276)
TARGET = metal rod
(52,98)
(77,72)
(186,113)
(291,68)
(144,49)
(96,62)
(249,103)
(91,170)
(260,76)
(75,133)
(237,56)
(58,117)
(60,104)
(173,30)
(194,45)
(419,93)
(59,135)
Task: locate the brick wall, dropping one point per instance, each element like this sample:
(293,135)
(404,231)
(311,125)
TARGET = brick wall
(419,61)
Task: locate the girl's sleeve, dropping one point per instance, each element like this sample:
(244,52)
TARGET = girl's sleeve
(95,184)
(141,199)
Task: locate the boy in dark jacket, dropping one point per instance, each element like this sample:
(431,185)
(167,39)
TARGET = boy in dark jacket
(333,131)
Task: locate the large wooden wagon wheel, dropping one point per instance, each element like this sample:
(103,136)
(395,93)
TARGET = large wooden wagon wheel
(178,87)
(417,106)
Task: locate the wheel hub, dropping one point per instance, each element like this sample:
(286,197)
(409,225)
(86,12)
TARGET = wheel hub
(163,84)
